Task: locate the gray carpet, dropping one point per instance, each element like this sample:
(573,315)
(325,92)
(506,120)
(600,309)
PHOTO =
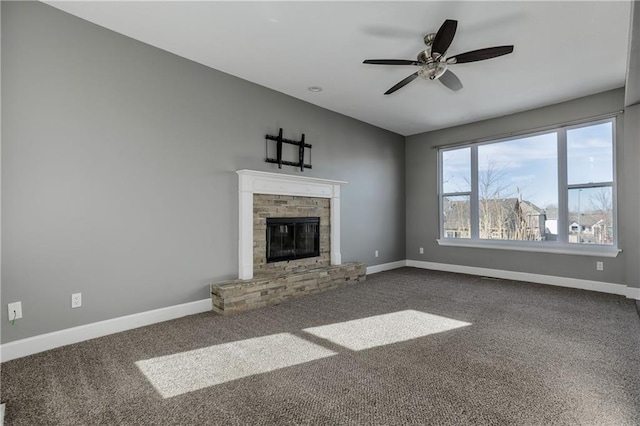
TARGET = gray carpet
(504,353)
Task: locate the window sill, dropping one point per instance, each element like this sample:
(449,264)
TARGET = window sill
(540,247)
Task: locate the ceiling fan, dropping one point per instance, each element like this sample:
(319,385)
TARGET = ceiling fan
(433,61)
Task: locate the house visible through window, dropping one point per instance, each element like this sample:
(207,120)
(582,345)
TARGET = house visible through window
(555,186)
(590,183)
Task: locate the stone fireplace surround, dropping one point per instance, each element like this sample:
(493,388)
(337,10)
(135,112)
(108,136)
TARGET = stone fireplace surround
(274,193)
(253,182)
(271,206)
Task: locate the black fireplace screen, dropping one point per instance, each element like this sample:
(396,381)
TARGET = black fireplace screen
(292,238)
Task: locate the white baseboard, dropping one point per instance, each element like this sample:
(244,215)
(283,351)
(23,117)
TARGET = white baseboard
(600,286)
(633,293)
(385,267)
(43,342)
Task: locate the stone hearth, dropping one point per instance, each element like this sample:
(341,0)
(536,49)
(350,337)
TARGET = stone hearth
(235,296)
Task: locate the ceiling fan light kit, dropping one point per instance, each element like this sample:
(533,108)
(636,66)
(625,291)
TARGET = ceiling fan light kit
(433,61)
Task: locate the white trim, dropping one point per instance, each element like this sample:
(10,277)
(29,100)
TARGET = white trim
(280,183)
(633,293)
(44,342)
(600,286)
(533,246)
(334,239)
(385,267)
(255,182)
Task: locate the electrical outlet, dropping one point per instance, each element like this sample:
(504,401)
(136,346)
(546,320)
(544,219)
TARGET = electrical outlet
(376,253)
(76,300)
(15,310)
(421,250)
(600,265)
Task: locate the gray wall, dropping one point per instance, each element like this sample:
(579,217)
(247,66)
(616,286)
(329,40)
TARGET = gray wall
(422,199)
(118,172)
(632,144)
(630,189)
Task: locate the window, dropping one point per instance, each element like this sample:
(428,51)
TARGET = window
(456,183)
(549,189)
(590,183)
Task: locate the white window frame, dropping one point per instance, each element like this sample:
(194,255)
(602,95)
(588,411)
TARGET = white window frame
(562,245)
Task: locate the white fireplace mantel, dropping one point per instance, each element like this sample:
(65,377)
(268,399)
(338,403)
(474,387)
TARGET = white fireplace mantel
(255,182)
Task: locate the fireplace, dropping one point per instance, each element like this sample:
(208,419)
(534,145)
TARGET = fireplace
(280,216)
(263,195)
(290,238)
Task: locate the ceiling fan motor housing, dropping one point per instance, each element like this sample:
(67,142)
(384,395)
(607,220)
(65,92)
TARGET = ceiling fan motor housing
(432,69)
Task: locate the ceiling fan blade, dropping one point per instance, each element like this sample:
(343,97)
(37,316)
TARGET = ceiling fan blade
(480,54)
(444,37)
(390,62)
(451,80)
(402,83)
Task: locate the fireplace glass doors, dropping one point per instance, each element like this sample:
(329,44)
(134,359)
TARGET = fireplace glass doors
(292,238)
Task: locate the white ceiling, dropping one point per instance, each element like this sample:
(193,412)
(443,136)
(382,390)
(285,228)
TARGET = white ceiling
(563,50)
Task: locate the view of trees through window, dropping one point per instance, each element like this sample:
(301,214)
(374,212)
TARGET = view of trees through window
(590,183)
(528,189)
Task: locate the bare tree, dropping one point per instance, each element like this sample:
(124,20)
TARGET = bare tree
(492,183)
(496,215)
(601,200)
(502,213)
(457,218)
(602,209)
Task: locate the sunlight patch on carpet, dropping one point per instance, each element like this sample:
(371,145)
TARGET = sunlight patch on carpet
(385,329)
(177,374)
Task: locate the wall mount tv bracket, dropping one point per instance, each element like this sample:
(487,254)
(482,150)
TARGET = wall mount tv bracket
(301,146)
